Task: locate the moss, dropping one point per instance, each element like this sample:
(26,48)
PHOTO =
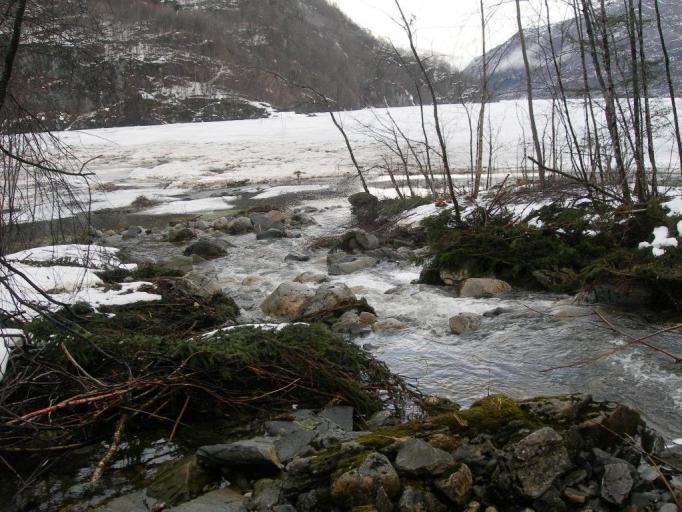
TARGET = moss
(348,462)
(561,256)
(445,442)
(387,436)
(495,414)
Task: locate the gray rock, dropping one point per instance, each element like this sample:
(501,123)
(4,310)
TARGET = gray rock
(380,419)
(358,240)
(267,494)
(326,297)
(465,323)
(417,457)
(258,452)
(224,500)
(414,499)
(481,288)
(239,226)
(292,439)
(457,487)
(222,223)
(132,232)
(287,300)
(359,486)
(342,264)
(668,507)
(312,501)
(388,325)
(265,221)
(296,257)
(200,224)
(538,459)
(341,415)
(181,234)
(134,502)
(311,277)
(271,234)
(349,323)
(302,219)
(617,482)
(206,249)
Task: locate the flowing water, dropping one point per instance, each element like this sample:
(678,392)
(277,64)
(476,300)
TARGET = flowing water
(520,339)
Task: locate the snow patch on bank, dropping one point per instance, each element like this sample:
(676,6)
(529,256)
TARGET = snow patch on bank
(43,277)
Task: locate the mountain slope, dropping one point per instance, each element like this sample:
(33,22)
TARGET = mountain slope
(153,61)
(508,76)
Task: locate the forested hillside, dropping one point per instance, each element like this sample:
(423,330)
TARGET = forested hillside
(122,62)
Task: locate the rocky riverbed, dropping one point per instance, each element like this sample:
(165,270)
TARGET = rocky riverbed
(304,261)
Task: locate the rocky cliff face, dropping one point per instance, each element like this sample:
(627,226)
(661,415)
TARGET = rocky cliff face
(153,61)
(508,76)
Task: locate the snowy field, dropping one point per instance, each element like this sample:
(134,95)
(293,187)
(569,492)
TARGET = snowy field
(169,161)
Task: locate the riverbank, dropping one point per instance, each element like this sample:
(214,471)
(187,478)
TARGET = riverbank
(250,255)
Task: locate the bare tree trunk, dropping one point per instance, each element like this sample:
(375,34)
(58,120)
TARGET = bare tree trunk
(668,73)
(481,111)
(640,177)
(529,92)
(647,106)
(608,90)
(432,91)
(12,48)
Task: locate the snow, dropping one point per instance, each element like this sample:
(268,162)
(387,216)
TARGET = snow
(9,338)
(92,256)
(661,241)
(193,206)
(414,216)
(289,189)
(265,327)
(67,274)
(675,206)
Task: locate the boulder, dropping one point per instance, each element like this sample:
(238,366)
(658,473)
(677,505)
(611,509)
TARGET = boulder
(206,249)
(358,240)
(341,263)
(311,277)
(292,439)
(416,457)
(360,486)
(264,221)
(181,234)
(417,499)
(349,323)
(465,323)
(259,452)
(177,482)
(286,300)
(388,325)
(239,226)
(457,487)
(340,415)
(367,318)
(302,218)
(292,256)
(452,277)
(481,288)
(271,234)
(132,232)
(267,494)
(537,460)
(222,223)
(225,500)
(327,297)
(617,481)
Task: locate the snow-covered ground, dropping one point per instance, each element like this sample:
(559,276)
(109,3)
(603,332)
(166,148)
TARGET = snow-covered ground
(168,161)
(67,274)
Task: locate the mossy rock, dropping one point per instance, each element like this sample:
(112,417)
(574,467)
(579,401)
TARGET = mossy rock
(180,481)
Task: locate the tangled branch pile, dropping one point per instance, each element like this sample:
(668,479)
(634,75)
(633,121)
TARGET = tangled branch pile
(134,367)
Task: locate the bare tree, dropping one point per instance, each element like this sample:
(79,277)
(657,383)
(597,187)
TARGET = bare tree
(529,94)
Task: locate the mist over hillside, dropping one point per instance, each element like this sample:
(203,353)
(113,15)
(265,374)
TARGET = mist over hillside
(507,78)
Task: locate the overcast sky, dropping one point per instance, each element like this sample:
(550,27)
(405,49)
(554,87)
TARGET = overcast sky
(451,28)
